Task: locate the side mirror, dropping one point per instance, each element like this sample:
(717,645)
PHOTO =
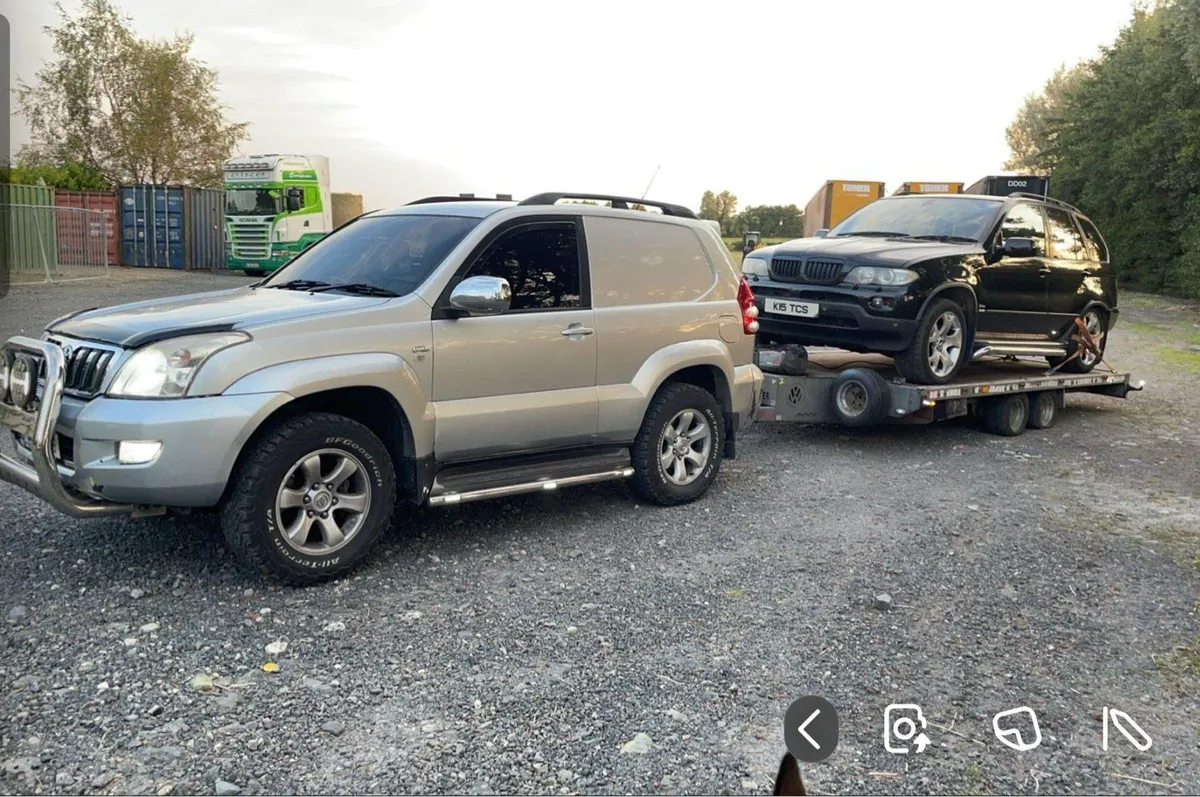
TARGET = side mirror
(1020,247)
(482,296)
(295,199)
(820,233)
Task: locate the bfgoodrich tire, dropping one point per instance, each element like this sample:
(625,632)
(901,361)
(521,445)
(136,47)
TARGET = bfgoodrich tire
(939,347)
(677,452)
(309,499)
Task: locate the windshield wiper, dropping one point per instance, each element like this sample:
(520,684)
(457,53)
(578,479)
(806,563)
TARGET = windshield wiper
(361,288)
(300,285)
(876,234)
(945,238)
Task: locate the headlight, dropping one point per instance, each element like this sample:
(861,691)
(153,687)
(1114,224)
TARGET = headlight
(755,267)
(166,369)
(869,275)
(22,381)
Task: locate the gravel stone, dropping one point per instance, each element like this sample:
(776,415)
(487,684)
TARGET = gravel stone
(17,614)
(226,789)
(640,744)
(334,728)
(882,601)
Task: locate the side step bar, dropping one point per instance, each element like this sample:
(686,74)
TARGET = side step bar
(1020,350)
(528,487)
(505,476)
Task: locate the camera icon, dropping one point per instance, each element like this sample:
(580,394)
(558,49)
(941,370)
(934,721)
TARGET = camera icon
(900,728)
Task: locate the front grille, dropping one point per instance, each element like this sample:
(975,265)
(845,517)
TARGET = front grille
(822,272)
(815,272)
(787,270)
(250,240)
(85,368)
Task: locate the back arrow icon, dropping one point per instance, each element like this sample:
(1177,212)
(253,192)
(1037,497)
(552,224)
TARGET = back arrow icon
(804,733)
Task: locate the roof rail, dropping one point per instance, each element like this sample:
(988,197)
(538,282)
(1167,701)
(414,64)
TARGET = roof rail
(1049,200)
(618,202)
(429,200)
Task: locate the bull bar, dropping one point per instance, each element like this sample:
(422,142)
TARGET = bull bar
(38,427)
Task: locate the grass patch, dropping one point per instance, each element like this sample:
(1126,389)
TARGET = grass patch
(1182,665)
(1180,358)
(1142,327)
(973,774)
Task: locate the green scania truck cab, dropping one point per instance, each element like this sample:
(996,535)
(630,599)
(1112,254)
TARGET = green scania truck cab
(275,206)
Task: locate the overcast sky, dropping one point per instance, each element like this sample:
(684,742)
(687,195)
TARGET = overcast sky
(767,98)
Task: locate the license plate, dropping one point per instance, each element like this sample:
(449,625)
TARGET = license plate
(788,307)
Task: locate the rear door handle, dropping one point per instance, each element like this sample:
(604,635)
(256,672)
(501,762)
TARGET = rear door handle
(1045,272)
(577,329)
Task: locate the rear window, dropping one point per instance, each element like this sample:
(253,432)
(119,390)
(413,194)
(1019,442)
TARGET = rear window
(1092,239)
(396,253)
(645,262)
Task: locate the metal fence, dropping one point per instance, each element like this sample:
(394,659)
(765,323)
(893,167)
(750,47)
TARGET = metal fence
(41,243)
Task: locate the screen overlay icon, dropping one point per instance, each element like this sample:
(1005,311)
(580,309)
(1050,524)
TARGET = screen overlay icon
(900,722)
(1011,732)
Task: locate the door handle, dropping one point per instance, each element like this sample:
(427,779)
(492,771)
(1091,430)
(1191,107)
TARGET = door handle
(1045,272)
(576,329)
(1086,273)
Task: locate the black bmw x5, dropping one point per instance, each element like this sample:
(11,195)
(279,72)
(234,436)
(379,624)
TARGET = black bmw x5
(936,281)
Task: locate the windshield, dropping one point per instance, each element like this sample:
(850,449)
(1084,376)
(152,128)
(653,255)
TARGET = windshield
(391,253)
(252,202)
(922,216)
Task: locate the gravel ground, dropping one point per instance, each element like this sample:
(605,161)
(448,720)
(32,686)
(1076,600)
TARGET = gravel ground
(516,646)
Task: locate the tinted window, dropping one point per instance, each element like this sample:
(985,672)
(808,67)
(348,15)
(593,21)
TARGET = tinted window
(1025,221)
(1092,240)
(397,252)
(645,262)
(920,215)
(1065,241)
(541,264)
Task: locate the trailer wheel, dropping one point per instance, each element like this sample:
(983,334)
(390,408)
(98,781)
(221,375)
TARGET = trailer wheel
(1007,416)
(1043,410)
(859,397)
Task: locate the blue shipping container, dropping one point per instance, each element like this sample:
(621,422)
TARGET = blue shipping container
(171,227)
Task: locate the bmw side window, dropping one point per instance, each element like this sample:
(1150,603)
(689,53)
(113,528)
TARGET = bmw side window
(1065,240)
(541,264)
(1025,221)
(1095,243)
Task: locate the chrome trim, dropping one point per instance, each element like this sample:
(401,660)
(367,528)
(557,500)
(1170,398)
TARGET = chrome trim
(43,478)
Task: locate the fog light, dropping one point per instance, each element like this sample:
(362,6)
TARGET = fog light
(138,452)
(3,376)
(21,381)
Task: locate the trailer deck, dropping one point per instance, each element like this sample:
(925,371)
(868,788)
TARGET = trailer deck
(834,386)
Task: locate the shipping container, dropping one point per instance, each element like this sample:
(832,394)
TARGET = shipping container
(346,207)
(87,234)
(929,188)
(836,200)
(172,227)
(27,229)
(1005,184)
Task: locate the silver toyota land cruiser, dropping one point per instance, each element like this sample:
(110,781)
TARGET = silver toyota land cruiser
(446,351)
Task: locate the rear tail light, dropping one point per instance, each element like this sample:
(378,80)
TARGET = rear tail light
(749,309)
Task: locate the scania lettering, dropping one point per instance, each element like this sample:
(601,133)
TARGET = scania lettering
(275,206)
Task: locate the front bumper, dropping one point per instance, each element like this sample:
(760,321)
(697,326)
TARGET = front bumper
(201,439)
(846,319)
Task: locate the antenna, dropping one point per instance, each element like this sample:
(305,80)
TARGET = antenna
(652,178)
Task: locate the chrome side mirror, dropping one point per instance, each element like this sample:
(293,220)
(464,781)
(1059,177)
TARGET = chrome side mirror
(482,296)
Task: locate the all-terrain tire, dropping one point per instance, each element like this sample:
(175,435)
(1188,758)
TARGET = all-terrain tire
(251,520)
(1095,320)
(914,362)
(668,408)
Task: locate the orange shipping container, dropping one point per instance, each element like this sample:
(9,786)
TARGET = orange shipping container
(836,200)
(86,238)
(929,188)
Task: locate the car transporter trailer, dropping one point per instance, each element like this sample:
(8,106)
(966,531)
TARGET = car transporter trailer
(822,386)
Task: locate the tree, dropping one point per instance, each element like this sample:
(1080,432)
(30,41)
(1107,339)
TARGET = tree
(1031,136)
(773,221)
(69,176)
(718,207)
(134,110)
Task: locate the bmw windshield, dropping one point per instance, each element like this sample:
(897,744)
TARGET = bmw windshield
(953,219)
(380,255)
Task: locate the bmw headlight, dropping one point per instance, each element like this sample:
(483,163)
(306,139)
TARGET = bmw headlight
(870,275)
(166,369)
(755,266)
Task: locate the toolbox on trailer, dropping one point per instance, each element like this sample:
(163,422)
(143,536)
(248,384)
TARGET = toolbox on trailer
(831,386)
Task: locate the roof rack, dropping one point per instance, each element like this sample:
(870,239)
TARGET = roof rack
(1049,200)
(618,202)
(429,200)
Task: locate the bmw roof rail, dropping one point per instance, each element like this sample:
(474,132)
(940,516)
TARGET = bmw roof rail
(1049,200)
(618,202)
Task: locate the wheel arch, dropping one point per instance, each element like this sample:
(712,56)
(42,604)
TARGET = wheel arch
(964,295)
